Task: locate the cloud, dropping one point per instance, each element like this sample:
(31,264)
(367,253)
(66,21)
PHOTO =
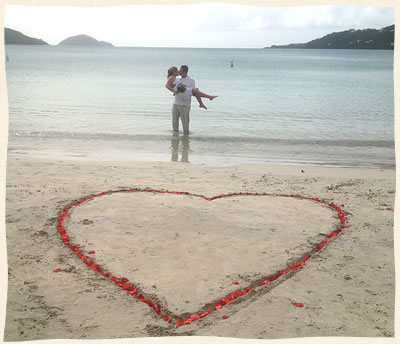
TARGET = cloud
(257,23)
(203,25)
(240,18)
(335,16)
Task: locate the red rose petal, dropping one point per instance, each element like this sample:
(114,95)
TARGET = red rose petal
(57,269)
(298,304)
(133,292)
(235,282)
(204,314)
(225,317)
(194,317)
(180,322)
(217,305)
(92,252)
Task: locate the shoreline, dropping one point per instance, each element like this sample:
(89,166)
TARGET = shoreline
(214,161)
(347,289)
(196,149)
(181,156)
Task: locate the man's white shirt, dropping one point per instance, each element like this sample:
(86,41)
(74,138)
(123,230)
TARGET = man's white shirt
(184,98)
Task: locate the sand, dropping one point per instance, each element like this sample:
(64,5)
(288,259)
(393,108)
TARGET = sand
(184,252)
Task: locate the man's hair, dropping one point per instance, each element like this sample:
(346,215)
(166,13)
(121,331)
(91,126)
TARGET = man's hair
(185,68)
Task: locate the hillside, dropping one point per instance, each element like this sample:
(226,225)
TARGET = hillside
(350,39)
(84,40)
(16,37)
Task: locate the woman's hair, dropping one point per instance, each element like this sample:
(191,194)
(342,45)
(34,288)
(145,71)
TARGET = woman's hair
(171,71)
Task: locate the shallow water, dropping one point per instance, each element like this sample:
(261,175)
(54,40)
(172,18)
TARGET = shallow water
(320,107)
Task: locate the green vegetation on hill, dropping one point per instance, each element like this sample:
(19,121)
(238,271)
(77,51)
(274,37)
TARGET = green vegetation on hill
(15,37)
(350,39)
(84,40)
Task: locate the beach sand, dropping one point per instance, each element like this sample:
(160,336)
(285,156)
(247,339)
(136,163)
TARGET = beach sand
(185,252)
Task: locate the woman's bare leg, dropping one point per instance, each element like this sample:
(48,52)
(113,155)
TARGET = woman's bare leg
(198,94)
(195,93)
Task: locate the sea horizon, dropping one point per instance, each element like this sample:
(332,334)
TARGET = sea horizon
(197,48)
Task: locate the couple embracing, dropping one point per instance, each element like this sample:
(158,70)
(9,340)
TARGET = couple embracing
(183,87)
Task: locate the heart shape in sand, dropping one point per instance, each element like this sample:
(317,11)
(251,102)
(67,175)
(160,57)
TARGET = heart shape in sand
(196,256)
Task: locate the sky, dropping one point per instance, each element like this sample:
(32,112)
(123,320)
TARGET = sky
(207,25)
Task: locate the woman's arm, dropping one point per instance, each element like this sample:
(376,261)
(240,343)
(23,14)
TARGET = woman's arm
(170,85)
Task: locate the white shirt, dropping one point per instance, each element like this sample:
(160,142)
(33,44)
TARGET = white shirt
(184,98)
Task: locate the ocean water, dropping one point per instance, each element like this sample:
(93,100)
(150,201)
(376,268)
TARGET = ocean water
(319,107)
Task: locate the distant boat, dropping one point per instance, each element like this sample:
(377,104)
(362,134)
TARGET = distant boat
(231,64)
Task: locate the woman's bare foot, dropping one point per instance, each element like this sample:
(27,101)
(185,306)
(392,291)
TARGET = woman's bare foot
(203,106)
(212,97)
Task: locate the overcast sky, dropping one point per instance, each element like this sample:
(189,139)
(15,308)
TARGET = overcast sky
(209,25)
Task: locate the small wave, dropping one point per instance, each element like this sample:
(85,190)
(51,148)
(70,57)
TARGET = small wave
(207,139)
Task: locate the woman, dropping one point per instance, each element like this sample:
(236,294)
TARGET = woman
(173,85)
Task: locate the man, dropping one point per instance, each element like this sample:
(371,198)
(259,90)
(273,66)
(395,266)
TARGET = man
(182,102)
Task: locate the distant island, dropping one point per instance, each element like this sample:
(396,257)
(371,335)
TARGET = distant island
(15,37)
(84,40)
(351,39)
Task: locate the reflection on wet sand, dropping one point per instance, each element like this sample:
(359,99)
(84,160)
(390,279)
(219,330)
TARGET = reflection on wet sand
(180,143)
